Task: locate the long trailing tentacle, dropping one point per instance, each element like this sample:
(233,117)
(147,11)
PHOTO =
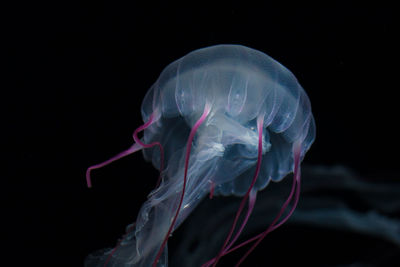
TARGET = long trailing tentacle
(296,187)
(295,192)
(260,121)
(187,156)
(251,203)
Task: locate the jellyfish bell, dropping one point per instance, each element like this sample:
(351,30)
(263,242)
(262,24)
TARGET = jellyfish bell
(222,120)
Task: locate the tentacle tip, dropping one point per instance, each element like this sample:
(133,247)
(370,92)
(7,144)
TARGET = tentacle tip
(88,179)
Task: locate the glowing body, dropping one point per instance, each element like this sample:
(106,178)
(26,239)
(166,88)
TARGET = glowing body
(233,111)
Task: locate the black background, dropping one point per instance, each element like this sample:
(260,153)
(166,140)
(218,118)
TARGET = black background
(76,73)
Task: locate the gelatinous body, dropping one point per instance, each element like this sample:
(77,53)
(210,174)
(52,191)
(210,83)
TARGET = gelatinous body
(223,120)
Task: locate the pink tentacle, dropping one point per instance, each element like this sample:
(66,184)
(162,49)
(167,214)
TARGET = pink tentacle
(131,150)
(246,196)
(137,140)
(188,149)
(252,202)
(270,229)
(135,147)
(212,187)
(273,226)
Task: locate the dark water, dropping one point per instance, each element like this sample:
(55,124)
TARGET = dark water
(342,220)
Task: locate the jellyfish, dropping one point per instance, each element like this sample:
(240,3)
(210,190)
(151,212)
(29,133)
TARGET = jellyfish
(222,120)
